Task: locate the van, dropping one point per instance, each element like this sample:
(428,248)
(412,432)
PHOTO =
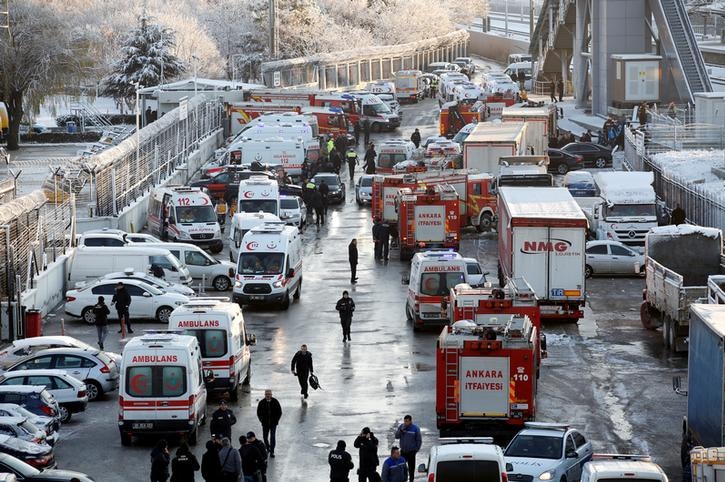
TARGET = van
(184,214)
(465,459)
(258,193)
(409,85)
(299,132)
(202,267)
(88,263)
(162,387)
(270,265)
(382,87)
(223,339)
(274,151)
(609,467)
(241,223)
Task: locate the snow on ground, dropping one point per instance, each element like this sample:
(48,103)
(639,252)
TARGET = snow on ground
(686,230)
(695,169)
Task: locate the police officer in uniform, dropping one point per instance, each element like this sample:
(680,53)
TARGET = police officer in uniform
(222,421)
(340,463)
(345,306)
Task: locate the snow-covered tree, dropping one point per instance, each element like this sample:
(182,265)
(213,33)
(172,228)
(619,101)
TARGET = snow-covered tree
(146,51)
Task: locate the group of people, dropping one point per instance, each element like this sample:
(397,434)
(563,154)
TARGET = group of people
(316,200)
(612,132)
(121,300)
(382,233)
(556,85)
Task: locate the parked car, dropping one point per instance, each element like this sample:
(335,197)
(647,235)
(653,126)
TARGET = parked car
(612,257)
(93,367)
(562,162)
(431,139)
(27,346)
(69,392)
(465,459)
(580,184)
(49,425)
(547,451)
(225,184)
(130,274)
(147,302)
(364,189)
(593,154)
(292,210)
(142,238)
(37,400)
(27,473)
(20,427)
(113,237)
(337,188)
(474,272)
(466,65)
(38,455)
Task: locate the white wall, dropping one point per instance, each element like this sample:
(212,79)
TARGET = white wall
(49,286)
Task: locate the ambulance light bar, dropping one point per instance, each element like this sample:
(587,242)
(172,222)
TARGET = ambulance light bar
(466,440)
(547,425)
(638,458)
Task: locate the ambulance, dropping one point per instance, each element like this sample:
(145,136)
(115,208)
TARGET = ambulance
(162,390)
(287,154)
(432,275)
(270,265)
(243,222)
(301,132)
(258,193)
(223,340)
(186,215)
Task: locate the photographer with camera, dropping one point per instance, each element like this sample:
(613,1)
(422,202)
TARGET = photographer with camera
(368,445)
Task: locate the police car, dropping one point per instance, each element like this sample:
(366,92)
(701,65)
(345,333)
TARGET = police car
(547,451)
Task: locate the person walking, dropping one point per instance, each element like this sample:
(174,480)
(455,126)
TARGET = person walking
(231,462)
(395,468)
(370,156)
(340,463)
(366,131)
(345,306)
(560,86)
(330,145)
(377,227)
(211,468)
(122,300)
(252,438)
(184,464)
(319,207)
(357,133)
(415,138)
(385,240)
(324,192)
(302,367)
(552,91)
(100,313)
(221,421)
(411,440)
(341,144)
(160,461)
(269,411)
(368,447)
(252,460)
(352,258)
(351,162)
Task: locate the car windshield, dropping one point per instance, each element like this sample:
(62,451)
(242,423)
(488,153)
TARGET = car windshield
(535,447)
(631,210)
(256,205)
(467,471)
(381,108)
(329,180)
(155,381)
(261,263)
(195,214)
(366,182)
(288,204)
(440,284)
(386,159)
(213,343)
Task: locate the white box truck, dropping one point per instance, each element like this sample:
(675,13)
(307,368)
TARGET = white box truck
(490,141)
(540,124)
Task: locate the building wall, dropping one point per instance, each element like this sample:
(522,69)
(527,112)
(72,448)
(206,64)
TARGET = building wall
(495,47)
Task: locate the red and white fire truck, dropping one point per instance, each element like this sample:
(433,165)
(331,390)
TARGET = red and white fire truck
(486,375)
(477,206)
(313,98)
(330,120)
(428,218)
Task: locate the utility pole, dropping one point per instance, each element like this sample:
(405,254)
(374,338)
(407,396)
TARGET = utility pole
(273,30)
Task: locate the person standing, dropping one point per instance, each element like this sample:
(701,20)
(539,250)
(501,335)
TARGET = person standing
(411,440)
(415,138)
(560,86)
(351,162)
(377,226)
(122,300)
(385,240)
(368,447)
(184,464)
(100,313)
(340,463)
(252,438)
(341,144)
(302,367)
(366,131)
(230,461)
(160,461)
(678,216)
(221,421)
(211,469)
(269,411)
(357,133)
(352,258)
(370,156)
(345,306)
(251,460)
(394,468)
(552,91)
(324,192)
(319,207)
(587,136)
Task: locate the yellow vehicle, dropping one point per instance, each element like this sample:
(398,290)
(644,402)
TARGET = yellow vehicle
(4,121)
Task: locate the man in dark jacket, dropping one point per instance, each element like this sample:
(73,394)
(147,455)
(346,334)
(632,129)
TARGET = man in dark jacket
(352,258)
(101,312)
(368,446)
(184,464)
(560,86)
(160,461)
(319,206)
(410,442)
(370,156)
(302,367)
(252,460)
(377,226)
(385,239)
(552,91)
(341,144)
(366,131)
(221,421)
(269,412)
(340,463)
(122,300)
(345,306)
(211,468)
(415,138)
(678,216)
(324,192)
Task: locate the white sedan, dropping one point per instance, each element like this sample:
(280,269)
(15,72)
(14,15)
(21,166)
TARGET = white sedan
(612,257)
(146,278)
(27,346)
(147,302)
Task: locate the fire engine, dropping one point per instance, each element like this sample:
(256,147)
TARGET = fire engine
(428,218)
(454,115)
(346,102)
(330,120)
(477,205)
(486,374)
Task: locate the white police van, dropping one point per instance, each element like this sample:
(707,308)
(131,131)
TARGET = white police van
(465,459)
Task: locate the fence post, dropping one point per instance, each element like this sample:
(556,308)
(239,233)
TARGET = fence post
(113,190)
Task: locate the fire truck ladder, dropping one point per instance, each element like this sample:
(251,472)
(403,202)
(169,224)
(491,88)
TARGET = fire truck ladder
(452,384)
(455,119)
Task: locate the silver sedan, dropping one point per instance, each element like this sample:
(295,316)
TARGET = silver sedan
(612,257)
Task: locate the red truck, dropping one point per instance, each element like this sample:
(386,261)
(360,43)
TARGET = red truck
(329,120)
(348,103)
(428,218)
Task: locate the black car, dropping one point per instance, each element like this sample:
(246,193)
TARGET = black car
(27,473)
(337,188)
(225,185)
(38,455)
(562,162)
(593,154)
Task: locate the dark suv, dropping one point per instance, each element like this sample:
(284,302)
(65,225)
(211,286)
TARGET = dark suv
(35,399)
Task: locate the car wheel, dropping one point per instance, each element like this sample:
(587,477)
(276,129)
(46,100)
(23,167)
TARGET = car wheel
(588,271)
(217,248)
(248,376)
(285,301)
(163,314)
(126,439)
(88,316)
(193,436)
(562,168)
(234,394)
(600,163)
(221,283)
(93,389)
(298,291)
(376,127)
(65,414)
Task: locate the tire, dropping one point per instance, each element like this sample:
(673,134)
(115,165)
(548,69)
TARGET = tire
(217,248)
(588,271)
(649,316)
(562,168)
(126,439)
(486,222)
(93,389)
(163,313)
(375,127)
(600,163)
(298,291)
(285,301)
(193,436)
(222,283)
(65,414)
(88,316)
(234,394)
(248,376)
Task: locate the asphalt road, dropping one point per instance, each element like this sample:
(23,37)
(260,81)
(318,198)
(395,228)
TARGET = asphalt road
(605,375)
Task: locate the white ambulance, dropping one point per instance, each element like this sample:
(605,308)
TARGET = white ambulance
(184,214)
(270,265)
(432,275)
(258,193)
(243,222)
(162,388)
(288,154)
(610,467)
(223,339)
(299,132)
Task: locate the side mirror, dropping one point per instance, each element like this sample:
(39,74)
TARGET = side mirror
(290,272)
(571,455)
(422,468)
(251,339)
(509,467)
(146,294)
